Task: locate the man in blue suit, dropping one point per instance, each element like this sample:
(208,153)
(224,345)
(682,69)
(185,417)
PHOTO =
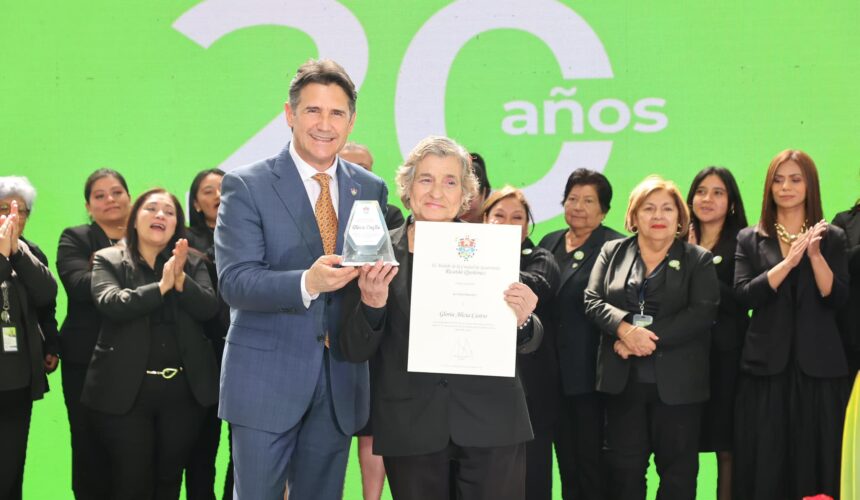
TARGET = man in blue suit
(292,400)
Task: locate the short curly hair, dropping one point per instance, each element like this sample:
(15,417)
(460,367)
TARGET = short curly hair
(646,188)
(442,147)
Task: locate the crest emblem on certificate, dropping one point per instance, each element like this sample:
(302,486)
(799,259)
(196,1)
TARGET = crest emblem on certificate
(466,247)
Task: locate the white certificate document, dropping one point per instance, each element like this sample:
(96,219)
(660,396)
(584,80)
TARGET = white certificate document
(460,322)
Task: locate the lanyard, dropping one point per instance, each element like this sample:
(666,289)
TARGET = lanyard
(644,286)
(4,315)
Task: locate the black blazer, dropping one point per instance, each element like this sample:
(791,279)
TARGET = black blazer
(849,324)
(683,323)
(125,300)
(577,336)
(420,413)
(47,313)
(35,288)
(732,316)
(539,369)
(74,265)
(778,315)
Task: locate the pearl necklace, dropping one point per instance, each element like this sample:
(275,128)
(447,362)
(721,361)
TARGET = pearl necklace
(785,236)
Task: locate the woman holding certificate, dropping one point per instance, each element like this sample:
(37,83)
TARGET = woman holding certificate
(423,422)
(654,298)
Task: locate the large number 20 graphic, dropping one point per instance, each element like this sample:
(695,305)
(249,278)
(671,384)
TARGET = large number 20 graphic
(420,95)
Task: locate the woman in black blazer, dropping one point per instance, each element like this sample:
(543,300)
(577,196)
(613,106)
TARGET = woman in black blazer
(579,433)
(205,197)
(25,286)
(792,271)
(654,298)
(108,203)
(538,369)
(717,214)
(153,371)
(424,421)
(849,324)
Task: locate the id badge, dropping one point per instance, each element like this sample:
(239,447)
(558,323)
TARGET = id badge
(642,320)
(10,339)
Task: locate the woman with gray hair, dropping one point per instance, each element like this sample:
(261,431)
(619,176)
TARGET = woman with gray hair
(19,189)
(423,422)
(25,286)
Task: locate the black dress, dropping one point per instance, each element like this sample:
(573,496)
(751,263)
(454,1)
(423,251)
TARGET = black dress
(726,340)
(793,388)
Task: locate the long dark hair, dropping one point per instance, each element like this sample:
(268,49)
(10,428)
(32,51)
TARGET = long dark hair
(196,220)
(812,204)
(736,217)
(132,242)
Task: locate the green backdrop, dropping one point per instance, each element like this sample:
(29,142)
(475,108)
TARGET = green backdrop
(161,89)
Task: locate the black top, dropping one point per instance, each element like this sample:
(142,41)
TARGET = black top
(790,324)
(577,337)
(539,369)
(163,347)
(683,322)
(643,296)
(48,313)
(74,265)
(30,287)
(848,316)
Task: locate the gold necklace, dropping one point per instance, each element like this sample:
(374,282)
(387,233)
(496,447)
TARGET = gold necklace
(785,236)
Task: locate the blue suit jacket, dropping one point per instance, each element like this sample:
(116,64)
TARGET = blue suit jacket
(265,238)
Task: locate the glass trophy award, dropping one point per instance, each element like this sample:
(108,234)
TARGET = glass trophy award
(367,239)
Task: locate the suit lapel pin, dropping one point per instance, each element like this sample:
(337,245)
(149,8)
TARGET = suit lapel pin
(353,191)
(575,265)
(527,251)
(579,255)
(675,264)
(718,259)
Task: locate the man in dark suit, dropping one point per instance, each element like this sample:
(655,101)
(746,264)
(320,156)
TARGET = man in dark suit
(292,400)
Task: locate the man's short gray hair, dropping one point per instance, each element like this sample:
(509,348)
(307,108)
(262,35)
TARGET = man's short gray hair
(442,147)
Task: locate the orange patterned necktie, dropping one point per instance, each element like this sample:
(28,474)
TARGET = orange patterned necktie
(326,216)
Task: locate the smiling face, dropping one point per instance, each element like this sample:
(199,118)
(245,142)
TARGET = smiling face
(711,200)
(509,210)
(436,193)
(209,198)
(582,210)
(789,186)
(321,123)
(657,217)
(109,202)
(155,222)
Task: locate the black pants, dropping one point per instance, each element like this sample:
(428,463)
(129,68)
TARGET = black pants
(579,447)
(496,473)
(15,409)
(89,461)
(637,424)
(149,446)
(539,465)
(200,469)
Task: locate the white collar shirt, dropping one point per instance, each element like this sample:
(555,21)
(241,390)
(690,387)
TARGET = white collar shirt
(312,187)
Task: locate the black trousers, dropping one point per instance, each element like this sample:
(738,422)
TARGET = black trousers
(149,446)
(89,461)
(16,406)
(495,473)
(200,469)
(539,465)
(579,447)
(637,424)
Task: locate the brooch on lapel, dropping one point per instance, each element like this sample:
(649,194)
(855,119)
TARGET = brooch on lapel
(718,259)
(527,251)
(675,264)
(578,255)
(353,191)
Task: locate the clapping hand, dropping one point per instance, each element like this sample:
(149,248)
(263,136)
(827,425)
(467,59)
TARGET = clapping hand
(797,249)
(373,281)
(815,235)
(9,232)
(180,255)
(168,276)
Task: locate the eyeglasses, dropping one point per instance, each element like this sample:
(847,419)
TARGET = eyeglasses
(7,209)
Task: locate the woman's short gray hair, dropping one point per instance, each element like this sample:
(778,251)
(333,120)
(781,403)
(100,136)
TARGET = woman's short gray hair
(18,186)
(442,147)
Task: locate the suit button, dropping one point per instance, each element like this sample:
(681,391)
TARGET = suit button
(443,382)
